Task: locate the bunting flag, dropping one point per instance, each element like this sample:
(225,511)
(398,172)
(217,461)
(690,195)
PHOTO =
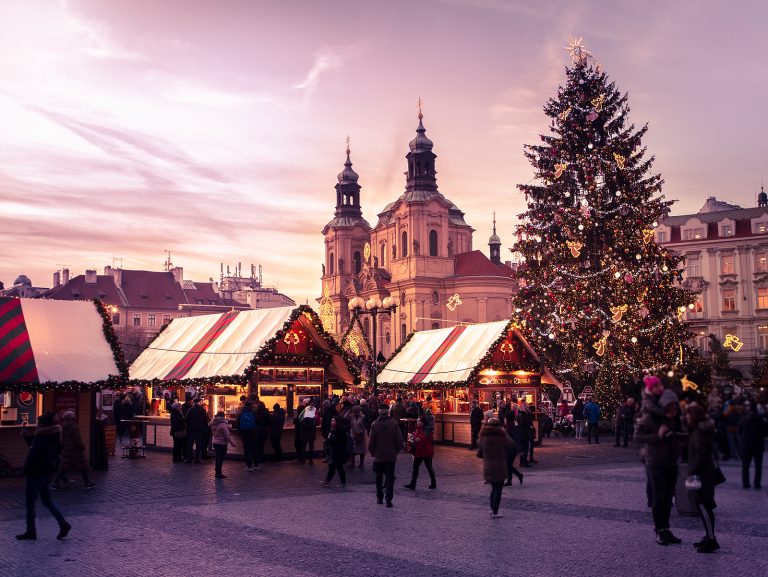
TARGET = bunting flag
(452,337)
(190,358)
(17,362)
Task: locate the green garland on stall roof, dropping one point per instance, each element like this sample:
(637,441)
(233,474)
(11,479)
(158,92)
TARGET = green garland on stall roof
(195,382)
(111,337)
(111,382)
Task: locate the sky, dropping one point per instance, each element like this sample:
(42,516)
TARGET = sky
(215,128)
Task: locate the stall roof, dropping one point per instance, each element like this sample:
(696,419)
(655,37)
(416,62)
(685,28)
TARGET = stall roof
(49,341)
(449,355)
(222,345)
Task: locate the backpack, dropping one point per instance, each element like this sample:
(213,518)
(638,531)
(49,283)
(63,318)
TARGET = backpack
(247,421)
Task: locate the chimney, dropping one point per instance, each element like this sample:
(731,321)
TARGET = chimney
(56,279)
(64,276)
(178,274)
(90,276)
(115,273)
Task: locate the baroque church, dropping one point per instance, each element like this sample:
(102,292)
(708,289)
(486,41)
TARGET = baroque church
(419,253)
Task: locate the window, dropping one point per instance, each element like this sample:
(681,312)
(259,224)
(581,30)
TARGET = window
(762,337)
(435,326)
(358,260)
(661,236)
(166,319)
(383,253)
(729,300)
(404,245)
(694,233)
(150,320)
(435,297)
(698,305)
(762,227)
(403,333)
(727,264)
(432,243)
(762,298)
(116,319)
(761,262)
(726,230)
(331,264)
(136,320)
(694,267)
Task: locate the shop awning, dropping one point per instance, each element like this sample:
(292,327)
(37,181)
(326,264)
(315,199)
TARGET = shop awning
(448,355)
(50,341)
(222,345)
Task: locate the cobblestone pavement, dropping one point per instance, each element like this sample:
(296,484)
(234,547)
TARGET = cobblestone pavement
(580,512)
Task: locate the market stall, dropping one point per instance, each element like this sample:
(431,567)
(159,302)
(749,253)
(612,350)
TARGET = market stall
(55,356)
(449,368)
(279,356)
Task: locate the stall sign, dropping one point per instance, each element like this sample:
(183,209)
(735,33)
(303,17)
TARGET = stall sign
(307,390)
(291,375)
(65,401)
(222,390)
(510,380)
(266,375)
(273,390)
(316,375)
(19,409)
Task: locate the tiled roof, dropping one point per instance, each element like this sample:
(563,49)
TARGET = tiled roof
(201,291)
(475,263)
(150,289)
(77,289)
(717,216)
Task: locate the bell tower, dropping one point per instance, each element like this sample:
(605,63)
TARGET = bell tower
(421,173)
(495,244)
(346,237)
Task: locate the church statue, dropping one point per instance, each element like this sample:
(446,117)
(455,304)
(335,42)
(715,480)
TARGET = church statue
(450,247)
(341,265)
(375,262)
(415,247)
(322,265)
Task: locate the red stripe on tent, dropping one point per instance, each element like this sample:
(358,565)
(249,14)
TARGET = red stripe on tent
(190,358)
(449,341)
(16,356)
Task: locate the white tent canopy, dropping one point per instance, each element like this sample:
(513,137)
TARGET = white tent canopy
(66,339)
(457,362)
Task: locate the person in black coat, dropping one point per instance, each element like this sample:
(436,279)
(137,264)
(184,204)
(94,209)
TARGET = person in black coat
(261,415)
(701,466)
(41,464)
(475,423)
(197,426)
(337,451)
(752,432)
(276,425)
(178,433)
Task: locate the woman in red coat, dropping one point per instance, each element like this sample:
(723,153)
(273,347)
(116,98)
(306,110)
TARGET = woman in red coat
(423,451)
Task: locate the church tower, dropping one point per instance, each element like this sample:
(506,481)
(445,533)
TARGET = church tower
(346,237)
(495,244)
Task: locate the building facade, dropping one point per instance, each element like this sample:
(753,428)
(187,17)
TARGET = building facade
(726,259)
(419,252)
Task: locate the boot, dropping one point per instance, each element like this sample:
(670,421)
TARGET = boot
(709,546)
(433,484)
(27,535)
(63,530)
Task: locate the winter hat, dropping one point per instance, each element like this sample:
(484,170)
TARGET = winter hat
(667,397)
(68,415)
(650,382)
(488,415)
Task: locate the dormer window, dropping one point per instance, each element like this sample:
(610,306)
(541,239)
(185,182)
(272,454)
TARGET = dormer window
(761,228)
(694,234)
(661,236)
(726,230)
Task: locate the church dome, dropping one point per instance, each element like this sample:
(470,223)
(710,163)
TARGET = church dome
(22,279)
(762,198)
(421,143)
(494,239)
(348,175)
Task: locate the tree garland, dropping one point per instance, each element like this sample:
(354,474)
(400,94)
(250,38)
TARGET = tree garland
(109,334)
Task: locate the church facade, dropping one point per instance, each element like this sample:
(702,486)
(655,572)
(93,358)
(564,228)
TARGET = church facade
(419,252)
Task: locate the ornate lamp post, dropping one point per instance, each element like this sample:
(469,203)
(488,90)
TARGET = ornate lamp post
(373,306)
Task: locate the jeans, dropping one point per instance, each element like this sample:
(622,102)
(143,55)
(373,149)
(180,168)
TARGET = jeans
(179,446)
(249,443)
(40,485)
(417,461)
(622,432)
(592,430)
(496,489)
(387,470)
(276,447)
(221,452)
(195,439)
(579,429)
(663,481)
(745,462)
(475,432)
(524,451)
(511,470)
(734,451)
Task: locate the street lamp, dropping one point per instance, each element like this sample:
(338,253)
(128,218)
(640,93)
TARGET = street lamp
(373,306)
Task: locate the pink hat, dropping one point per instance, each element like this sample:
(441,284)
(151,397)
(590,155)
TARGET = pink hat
(650,382)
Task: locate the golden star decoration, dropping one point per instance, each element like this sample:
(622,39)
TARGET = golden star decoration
(600,346)
(559,168)
(733,342)
(598,103)
(563,116)
(618,312)
(619,160)
(577,50)
(575,247)
(647,235)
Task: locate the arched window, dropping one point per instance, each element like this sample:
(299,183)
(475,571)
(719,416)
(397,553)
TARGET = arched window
(358,259)
(435,326)
(331,264)
(383,254)
(432,243)
(403,333)
(435,297)
(404,245)
(402,299)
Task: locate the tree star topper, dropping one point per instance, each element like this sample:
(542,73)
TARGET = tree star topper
(577,50)
(453,302)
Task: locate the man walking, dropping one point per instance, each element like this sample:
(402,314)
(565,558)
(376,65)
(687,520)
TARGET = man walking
(197,423)
(385,443)
(592,413)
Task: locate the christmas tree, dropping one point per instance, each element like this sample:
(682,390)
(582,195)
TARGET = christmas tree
(597,294)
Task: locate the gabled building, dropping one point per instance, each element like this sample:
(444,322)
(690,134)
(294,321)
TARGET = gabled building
(419,252)
(726,252)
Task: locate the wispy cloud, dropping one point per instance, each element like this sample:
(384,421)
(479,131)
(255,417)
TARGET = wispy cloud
(324,60)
